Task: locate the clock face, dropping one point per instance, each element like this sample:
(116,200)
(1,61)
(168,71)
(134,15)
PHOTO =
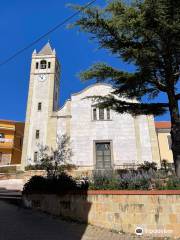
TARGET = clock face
(42,77)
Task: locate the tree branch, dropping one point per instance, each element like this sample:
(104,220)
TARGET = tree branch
(177,96)
(133,108)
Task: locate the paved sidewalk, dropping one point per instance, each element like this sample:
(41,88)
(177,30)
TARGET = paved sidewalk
(12,184)
(22,224)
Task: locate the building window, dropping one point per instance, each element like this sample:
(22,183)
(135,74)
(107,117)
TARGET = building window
(39,106)
(35,156)
(1,155)
(37,134)
(94,114)
(169,141)
(103,155)
(1,135)
(37,65)
(108,114)
(101,113)
(49,65)
(43,64)
(20,142)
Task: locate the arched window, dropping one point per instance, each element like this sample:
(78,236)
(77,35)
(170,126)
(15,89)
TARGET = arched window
(43,64)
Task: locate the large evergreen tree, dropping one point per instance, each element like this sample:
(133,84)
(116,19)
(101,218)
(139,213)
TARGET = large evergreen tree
(146,34)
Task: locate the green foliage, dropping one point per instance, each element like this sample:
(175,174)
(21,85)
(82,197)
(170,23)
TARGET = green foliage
(103,181)
(147,35)
(164,164)
(61,168)
(56,160)
(52,185)
(66,167)
(146,166)
(8,169)
(167,167)
(34,167)
(171,183)
(131,180)
(143,179)
(144,33)
(36,184)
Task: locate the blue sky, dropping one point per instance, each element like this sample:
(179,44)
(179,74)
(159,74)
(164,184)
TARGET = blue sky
(21,22)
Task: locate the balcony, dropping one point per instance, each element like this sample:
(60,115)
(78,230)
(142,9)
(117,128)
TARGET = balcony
(7,127)
(6,143)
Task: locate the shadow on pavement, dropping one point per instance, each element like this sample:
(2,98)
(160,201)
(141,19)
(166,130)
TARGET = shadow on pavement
(24,224)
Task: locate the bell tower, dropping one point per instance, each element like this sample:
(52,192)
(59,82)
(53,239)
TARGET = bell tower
(42,104)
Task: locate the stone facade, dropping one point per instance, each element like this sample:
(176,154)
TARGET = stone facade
(133,140)
(157,213)
(130,140)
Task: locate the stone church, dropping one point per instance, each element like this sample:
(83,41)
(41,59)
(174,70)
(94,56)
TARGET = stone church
(100,138)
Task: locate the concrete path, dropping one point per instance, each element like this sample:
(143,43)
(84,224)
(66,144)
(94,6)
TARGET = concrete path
(17,223)
(12,184)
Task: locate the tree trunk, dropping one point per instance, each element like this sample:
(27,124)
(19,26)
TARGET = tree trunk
(175,129)
(175,135)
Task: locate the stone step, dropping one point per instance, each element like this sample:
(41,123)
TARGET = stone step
(9,191)
(10,194)
(10,197)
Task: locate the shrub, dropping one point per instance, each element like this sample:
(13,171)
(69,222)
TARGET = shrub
(129,180)
(8,169)
(171,183)
(36,184)
(34,167)
(66,167)
(134,180)
(60,169)
(103,182)
(52,185)
(146,166)
(103,179)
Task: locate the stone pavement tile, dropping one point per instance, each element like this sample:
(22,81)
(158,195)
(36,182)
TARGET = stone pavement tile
(96,233)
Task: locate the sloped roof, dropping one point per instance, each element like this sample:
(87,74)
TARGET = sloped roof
(46,50)
(10,121)
(91,86)
(163,125)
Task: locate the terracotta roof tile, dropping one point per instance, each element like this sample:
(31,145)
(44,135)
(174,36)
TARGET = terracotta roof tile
(164,125)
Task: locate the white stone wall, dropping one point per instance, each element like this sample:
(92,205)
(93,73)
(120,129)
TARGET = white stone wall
(44,92)
(38,119)
(146,148)
(76,116)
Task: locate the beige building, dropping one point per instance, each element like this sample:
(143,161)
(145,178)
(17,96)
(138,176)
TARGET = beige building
(11,140)
(164,140)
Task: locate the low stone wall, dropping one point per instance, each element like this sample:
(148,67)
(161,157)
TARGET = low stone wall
(30,173)
(25,176)
(155,213)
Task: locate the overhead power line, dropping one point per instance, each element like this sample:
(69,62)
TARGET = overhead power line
(46,34)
